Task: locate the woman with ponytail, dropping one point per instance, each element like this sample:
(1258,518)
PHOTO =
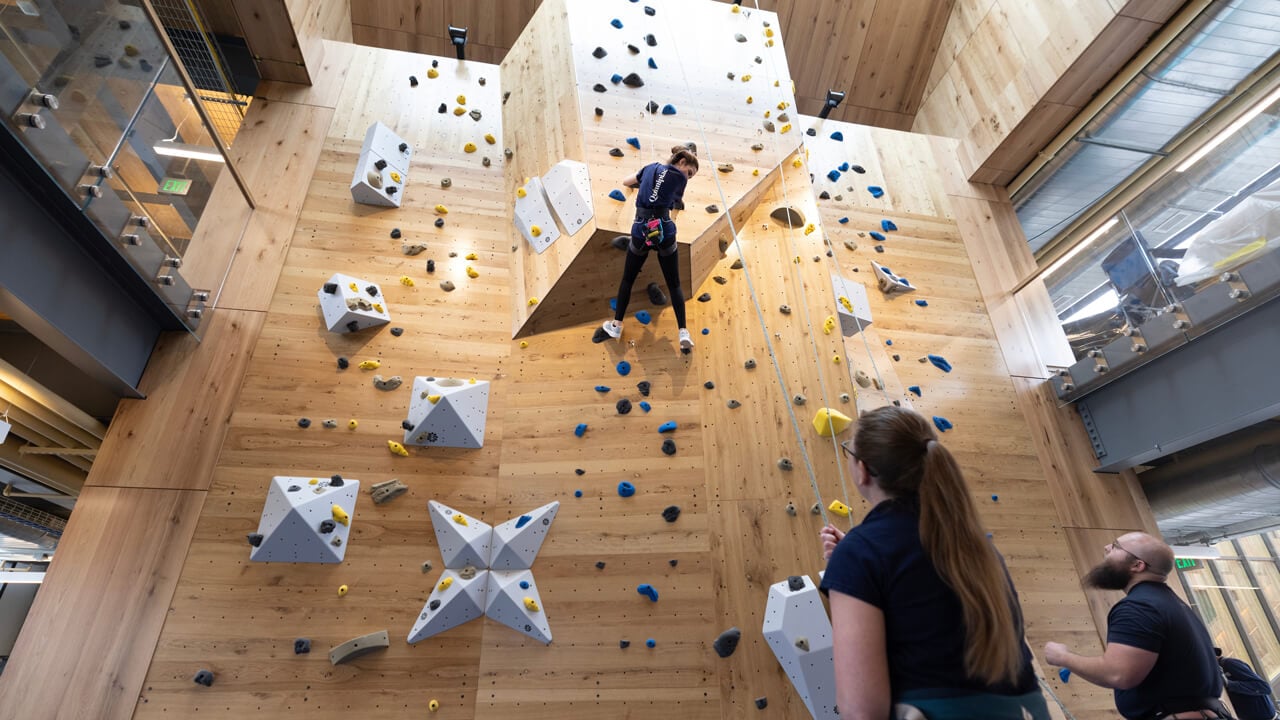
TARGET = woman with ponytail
(923,611)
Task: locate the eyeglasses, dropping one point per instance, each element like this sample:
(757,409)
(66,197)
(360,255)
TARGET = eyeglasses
(844,447)
(1116,544)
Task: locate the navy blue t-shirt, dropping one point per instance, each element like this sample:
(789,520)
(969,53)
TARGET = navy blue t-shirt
(661,186)
(883,563)
(1151,617)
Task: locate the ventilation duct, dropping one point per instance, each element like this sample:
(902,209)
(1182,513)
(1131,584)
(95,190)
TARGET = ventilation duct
(1211,497)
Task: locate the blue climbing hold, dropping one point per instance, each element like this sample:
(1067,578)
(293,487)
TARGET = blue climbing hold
(941,423)
(922,303)
(834,175)
(613,303)
(888,225)
(1064,674)
(668,426)
(875,190)
(645,406)
(524,584)
(706,331)
(580,430)
(577,493)
(877,236)
(995,498)
(940,363)
(886,269)
(915,390)
(648,591)
(603,388)
(668,109)
(837,136)
(653,65)
(616,23)
(844,167)
(626,489)
(644,317)
(524,520)
(650,643)
(843,221)
(615,79)
(634,142)
(616,194)
(888,342)
(624,368)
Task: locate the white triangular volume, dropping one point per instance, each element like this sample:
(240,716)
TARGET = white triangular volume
(447,412)
(852,305)
(370,184)
(568,188)
(798,616)
(353,305)
(291,521)
(516,542)
(454,600)
(532,211)
(890,283)
(461,543)
(507,604)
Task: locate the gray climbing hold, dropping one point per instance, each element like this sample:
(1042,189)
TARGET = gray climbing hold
(795,583)
(788,217)
(758,147)
(446,182)
(304,423)
(750,364)
(740,37)
(844,397)
(485,161)
(791,509)
(784,118)
(397,331)
(412,248)
(301,646)
(734,404)
(862,379)
(330,423)
(713,209)
(616,152)
(656,296)
(851,244)
(727,642)
(387,491)
(769,127)
(816,509)
(784,309)
(720,279)
(762,702)
(785,464)
(799,400)
(737,264)
(388,384)
(203,677)
(802,643)
(730,75)
(725,167)
(447,285)
(327,526)
(426,566)
(623,406)
(704,297)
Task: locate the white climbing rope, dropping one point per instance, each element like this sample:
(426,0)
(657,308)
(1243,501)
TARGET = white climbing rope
(1056,699)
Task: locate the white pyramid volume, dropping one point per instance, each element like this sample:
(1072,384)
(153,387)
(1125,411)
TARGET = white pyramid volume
(383,168)
(889,283)
(447,412)
(350,304)
(463,540)
(799,632)
(299,521)
(852,306)
(468,587)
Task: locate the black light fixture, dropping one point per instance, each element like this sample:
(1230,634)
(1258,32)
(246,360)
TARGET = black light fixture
(834,99)
(458,36)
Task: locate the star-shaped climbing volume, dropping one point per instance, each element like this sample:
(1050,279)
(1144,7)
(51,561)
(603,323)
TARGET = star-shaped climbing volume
(487,572)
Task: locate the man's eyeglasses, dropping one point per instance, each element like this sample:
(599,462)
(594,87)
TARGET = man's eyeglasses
(1116,544)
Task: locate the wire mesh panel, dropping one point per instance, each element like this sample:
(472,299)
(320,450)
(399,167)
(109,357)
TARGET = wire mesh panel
(199,53)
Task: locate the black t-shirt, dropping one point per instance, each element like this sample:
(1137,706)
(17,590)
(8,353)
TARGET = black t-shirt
(1151,617)
(661,186)
(882,563)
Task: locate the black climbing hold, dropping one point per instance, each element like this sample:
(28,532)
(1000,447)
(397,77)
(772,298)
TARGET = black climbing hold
(599,88)
(295,488)
(331,288)
(633,49)
(407,425)
(403,147)
(431,266)
(623,406)
(720,279)
(896,358)
(673,562)
(811,132)
(255,539)
(353,326)
(101,61)
(335,481)
(669,446)
(304,423)
(709,385)
(762,702)
(327,526)
(671,513)
(879,248)
(395,233)
(713,209)
(650,40)
(391,190)
(643,386)
(599,112)
(600,336)
(650,11)
(301,646)
(435,63)
(600,565)
(434,604)
(704,297)
(125,24)
(620,242)
(372,290)
(204,677)
(413,81)
(397,331)
(858,169)
(652,107)
(656,296)
(824,195)
(380,164)
(580,471)
(616,152)
(442,109)
(624,644)
(632,80)
(795,583)
(439,222)
(727,642)
(599,52)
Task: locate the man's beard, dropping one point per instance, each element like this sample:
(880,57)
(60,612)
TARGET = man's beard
(1106,576)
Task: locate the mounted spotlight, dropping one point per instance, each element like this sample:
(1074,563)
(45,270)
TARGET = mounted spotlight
(458,36)
(834,98)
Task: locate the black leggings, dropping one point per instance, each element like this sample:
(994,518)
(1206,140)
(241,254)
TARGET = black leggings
(670,265)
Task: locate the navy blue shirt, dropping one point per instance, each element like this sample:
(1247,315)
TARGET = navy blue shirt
(1151,617)
(661,186)
(883,563)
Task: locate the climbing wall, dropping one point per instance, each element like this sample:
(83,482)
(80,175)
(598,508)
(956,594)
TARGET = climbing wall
(718,514)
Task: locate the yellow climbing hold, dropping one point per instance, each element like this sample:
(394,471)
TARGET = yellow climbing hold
(406,281)
(524,344)
(835,359)
(397,449)
(469,147)
(782,104)
(377,306)
(768,113)
(808,229)
(756,172)
(459,110)
(746,78)
(434,705)
(352,424)
(395,176)
(768,32)
(444,584)
(844,303)
(829,324)
(784,129)
(315,481)
(830,422)
(472,381)
(736,9)
(472,256)
(353,287)
(797,163)
(460,519)
(489,138)
(839,508)
(769,43)
(533,301)
(521,192)
(442,210)
(433,399)
(433,73)
(462,99)
(370,364)
(531,605)
(535,231)
(342,590)
(471,272)
(796,260)
(749,98)
(340,516)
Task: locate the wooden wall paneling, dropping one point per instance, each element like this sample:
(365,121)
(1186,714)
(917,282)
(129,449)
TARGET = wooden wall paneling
(271,37)
(101,606)
(339,59)
(220,17)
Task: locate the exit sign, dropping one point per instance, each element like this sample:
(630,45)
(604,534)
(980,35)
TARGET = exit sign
(174,186)
(1186,563)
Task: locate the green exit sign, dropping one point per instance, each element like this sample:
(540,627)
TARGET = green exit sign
(1186,563)
(174,186)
